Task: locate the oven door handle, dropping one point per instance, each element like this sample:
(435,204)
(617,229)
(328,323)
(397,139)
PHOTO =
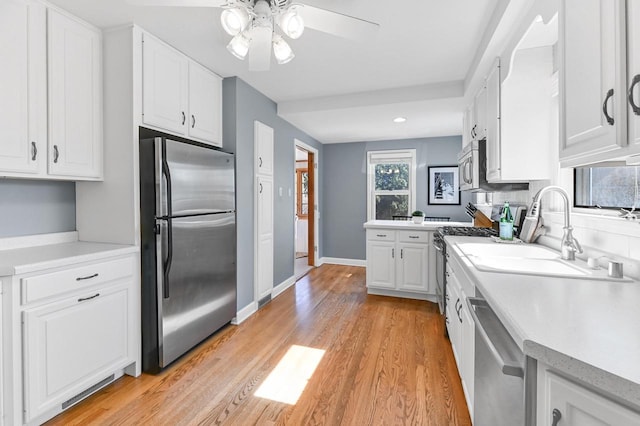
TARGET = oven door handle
(437,247)
(508,367)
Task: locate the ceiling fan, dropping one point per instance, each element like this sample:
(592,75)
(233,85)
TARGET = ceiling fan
(254,26)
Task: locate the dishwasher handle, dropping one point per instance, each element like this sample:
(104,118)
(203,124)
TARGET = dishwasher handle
(508,365)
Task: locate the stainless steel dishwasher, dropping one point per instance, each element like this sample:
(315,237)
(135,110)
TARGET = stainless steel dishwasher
(499,391)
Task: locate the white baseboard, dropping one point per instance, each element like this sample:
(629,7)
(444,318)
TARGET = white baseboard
(245,313)
(340,261)
(277,290)
(402,294)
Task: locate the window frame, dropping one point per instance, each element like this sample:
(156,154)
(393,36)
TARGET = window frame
(386,157)
(591,209)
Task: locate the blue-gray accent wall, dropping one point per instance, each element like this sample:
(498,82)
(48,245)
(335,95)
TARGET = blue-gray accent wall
(344,182)
(242,106)
(29,207)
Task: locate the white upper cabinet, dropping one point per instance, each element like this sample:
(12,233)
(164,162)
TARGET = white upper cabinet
(264,149)
(75,98)
(180,96)
(633,75)
(480,114)
(205,93)
(23,100)
(593,105)
(467,136)
(165,86)
(493,122)
(47,50)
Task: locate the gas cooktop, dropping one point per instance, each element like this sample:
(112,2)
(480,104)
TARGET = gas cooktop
(467,231)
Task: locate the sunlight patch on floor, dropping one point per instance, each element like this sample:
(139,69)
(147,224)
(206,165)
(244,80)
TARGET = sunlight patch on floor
(288,380)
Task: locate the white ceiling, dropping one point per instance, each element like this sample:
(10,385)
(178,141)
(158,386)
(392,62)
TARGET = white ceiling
(338,90)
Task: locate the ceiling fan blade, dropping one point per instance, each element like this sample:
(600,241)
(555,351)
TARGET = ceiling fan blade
(336,23)
(260,49)
(179,3)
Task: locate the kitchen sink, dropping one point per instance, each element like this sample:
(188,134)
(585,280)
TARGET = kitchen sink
(529,259)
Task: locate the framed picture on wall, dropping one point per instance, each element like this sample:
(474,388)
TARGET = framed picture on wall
(444,187)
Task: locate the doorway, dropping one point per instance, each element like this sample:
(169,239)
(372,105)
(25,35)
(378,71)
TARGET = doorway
(305,209)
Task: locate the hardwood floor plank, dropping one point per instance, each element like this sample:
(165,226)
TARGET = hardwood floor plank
(386,361)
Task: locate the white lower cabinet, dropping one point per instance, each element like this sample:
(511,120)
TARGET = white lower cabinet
(562,402)
(68,331)
(72,344)
(398,261)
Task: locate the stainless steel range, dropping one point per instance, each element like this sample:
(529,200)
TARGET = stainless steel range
(441,256)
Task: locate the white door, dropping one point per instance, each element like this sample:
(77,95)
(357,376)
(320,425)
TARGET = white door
(381,264)
(264,279)
(413,267)
(493,123)
(73,344)
(75,98)
(164,86)
(633,75)
(205,105)
(264,139)
(592,82)
(576,406)
(23,97)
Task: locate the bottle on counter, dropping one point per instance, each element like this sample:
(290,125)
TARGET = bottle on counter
(506,223)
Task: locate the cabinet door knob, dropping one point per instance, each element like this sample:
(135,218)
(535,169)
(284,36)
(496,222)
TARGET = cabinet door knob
(261,188)
(401,253)
(83,299)
(34,151)
(393,253)
(184,118)
(193,121)
(56,154)
(556,416)
(259,161)
(634,106)
(605,107)
(88,277)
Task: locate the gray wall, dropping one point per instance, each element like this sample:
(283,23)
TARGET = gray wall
(242,106)
(36,207)
(344,180)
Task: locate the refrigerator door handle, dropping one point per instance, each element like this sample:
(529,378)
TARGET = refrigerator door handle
(167,263)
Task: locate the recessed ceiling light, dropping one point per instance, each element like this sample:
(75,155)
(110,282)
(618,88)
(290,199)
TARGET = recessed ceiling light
(399,120)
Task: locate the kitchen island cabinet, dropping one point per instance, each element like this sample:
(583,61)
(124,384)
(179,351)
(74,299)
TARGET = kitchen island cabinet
(400,259)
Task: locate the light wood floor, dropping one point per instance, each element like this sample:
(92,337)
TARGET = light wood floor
(386,363)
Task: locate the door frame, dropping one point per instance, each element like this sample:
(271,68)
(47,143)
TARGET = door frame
(316,201)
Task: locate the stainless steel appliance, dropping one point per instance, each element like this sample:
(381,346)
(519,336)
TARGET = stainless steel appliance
(188,230)
(499,388)
(472,164)
(441,256)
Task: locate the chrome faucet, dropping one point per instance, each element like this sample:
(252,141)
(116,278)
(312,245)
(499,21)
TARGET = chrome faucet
(533,226)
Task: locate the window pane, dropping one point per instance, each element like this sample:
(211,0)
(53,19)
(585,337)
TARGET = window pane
(392,177)
(607,186)
(390,205)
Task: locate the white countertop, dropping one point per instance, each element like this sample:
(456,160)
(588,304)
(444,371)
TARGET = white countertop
(588,329)
(33,259)
(406,224)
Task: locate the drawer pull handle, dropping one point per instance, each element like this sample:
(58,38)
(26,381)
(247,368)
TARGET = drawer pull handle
(84,299)
(415,237)
(381,235)
(87,277)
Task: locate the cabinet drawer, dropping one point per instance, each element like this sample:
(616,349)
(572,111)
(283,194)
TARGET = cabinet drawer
(75,278)
(381,235)
(413,236)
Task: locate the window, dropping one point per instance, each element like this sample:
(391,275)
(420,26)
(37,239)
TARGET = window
(607,187)
(302,195)
(391,183)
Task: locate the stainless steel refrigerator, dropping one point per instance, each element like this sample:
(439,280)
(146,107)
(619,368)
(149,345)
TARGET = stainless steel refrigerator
(188,230)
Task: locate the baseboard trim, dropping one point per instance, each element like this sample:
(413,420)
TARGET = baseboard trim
(341,261)
(244,313)
(402,294)
(277,290)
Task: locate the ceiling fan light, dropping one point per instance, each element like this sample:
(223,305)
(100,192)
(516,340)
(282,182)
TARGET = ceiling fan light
(239,46)
(281,50)
(234,20)
(292,24)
